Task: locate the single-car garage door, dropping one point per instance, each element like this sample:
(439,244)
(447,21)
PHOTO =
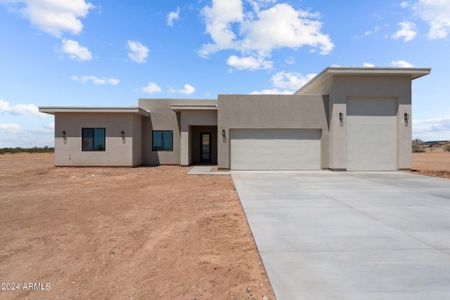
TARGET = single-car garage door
(371,134)
(275,149)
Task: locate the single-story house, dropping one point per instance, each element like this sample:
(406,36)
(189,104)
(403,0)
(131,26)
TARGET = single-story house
(353,119)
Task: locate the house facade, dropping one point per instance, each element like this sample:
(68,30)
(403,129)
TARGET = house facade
(355,119)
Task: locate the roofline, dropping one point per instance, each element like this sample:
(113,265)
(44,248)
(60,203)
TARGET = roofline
(179,107)
(414,73)
(86,109)
(178,99)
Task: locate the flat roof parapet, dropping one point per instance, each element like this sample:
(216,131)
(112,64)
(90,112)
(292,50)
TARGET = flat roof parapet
(84,109)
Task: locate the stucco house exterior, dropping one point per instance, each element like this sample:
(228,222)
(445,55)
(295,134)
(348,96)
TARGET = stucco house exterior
(355,119)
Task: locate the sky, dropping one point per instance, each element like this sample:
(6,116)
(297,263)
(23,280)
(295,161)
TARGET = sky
(110,53)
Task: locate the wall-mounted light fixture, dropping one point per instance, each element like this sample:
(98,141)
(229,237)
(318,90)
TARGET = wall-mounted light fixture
(341,119)
(406,118)
(64,136)
(122,135)
(224,137)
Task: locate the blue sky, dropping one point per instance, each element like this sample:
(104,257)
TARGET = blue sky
(110,53)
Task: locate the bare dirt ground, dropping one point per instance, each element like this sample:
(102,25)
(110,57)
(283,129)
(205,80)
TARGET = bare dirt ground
(432,164)
(122,233)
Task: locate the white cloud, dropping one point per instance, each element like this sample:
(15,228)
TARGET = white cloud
(173,16)
(53,16)
(283,26)
(290,81)
(432,129)
(401,64)
(19,109)
(187,90)
(75,51)
(271,92)
(96,80)
(407,31)
(137,52)
(436,13)
(368,65)
(290,60)
(261,30)
(369,32)
(286,83)
(10,128)
(404,4)
(260,4)
(151,88)
(218,18)
(15,135)
(50,126)
(249,63)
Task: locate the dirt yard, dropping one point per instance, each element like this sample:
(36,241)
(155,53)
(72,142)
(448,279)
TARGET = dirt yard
(123,233)
(432,163)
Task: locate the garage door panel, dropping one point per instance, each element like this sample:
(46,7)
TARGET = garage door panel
(371,134)
(275,149)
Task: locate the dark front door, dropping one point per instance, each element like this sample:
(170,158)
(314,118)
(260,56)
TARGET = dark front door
(205,147)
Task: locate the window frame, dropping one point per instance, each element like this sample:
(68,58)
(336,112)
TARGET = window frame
(93,139)
(162,140)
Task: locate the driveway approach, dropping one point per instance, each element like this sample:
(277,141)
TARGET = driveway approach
(325,235)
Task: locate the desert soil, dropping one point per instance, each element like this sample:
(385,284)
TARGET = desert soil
(124,233)
(432,164)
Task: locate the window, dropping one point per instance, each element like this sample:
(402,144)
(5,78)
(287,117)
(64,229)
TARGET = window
(162,140)
(93,139)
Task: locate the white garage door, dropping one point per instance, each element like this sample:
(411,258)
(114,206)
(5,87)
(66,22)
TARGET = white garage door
(371,134)
(275,149)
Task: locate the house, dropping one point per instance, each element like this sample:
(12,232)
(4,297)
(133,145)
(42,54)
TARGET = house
(344,119)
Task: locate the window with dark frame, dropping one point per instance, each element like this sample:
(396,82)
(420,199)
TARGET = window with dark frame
(162,140)
(93,139)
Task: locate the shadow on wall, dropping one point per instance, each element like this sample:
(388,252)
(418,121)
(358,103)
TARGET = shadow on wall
(326,106)
(149,158)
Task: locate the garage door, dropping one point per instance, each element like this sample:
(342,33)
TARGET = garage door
(371,134)
(275,149)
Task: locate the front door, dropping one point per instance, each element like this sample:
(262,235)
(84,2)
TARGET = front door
(205,147)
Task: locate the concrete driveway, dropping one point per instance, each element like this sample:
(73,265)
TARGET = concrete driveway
(325,235)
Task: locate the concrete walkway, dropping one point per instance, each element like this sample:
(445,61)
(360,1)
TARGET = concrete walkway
(325,235)
(206,170)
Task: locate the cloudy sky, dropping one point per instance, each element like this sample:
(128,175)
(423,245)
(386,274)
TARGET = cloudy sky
(105,52)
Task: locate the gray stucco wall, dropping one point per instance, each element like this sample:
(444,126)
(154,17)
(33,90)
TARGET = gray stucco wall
(118,152)
(270,112)
(162,117)
(345,87)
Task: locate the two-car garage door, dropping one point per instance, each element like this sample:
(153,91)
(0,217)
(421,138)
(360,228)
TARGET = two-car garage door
(275,149)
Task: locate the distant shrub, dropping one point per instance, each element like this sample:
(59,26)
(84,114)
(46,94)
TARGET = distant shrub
(447,148)
(417,146)
(45,149)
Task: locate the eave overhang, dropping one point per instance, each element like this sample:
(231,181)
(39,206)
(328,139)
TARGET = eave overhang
(73,109)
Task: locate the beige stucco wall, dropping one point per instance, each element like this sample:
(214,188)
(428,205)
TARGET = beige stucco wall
(162,117)
(270,112)
(137,140)
(345,87)
(119,152)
